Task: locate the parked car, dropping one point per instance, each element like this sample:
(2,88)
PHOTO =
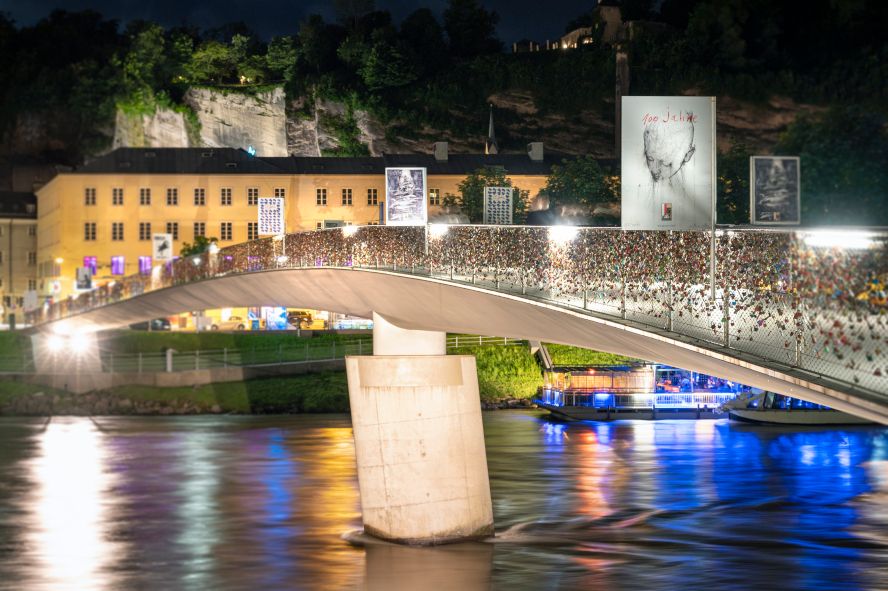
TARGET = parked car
(156,324)
(233,323)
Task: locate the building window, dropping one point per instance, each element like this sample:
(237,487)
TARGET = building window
(434,196)
(32,284)
(200,229)
(117,231)
(92,264)
(145,265)
(89,196)
(32,259)
(225,231)
(32,230)
(280,192)
(225,196)
(372,197)
(118,267)
(173,228)
(319,226)
(200,196)
(117,196)
(172,196)
(346,196)
(321,196)
(252,230)
(144,230)
(89,231)
(252,195)
(145,196)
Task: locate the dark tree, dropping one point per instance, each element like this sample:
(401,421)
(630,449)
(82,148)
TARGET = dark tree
(471,29)
(422,32)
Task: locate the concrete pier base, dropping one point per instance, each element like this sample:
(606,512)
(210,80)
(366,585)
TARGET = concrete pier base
(419,443)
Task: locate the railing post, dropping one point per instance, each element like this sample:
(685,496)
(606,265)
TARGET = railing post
(623,296)
(197,359)
(225,357)
(334,349)
(457,342)
(726,320)
(140,362)
(585,299)
(360,347)
(280,353)
(670,299)
(451,269)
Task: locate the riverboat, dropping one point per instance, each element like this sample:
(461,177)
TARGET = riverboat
(776,409)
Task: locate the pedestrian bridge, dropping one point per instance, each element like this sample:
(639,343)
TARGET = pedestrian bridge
(802,313)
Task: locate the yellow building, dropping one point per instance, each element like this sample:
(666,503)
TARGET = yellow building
(18,251)
(103,214)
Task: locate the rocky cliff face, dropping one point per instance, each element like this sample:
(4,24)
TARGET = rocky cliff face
(304,127)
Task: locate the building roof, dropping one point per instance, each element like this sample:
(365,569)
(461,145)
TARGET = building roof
(178,161)
(18,205)
(237,161)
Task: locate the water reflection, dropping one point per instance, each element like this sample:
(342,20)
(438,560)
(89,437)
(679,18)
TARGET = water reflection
(256,502)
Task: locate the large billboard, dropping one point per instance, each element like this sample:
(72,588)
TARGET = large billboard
(498,205)
(774,190)
(405,197)
(271,216)
(668,151)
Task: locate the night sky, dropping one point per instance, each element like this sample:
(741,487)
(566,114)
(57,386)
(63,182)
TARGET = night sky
(532,19)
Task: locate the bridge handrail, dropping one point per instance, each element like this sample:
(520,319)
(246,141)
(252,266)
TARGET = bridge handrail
(779,295)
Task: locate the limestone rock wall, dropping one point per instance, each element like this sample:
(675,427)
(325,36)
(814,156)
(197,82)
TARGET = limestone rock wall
(232,119)
(163,129)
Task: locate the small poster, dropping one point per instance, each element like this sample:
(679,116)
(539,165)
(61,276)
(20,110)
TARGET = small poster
(162,247)
(30,302)
(774,190)
(84,279)
(271,216)
(498,205)
(405,197)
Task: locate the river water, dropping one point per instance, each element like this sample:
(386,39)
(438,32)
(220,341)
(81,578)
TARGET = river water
(265,503)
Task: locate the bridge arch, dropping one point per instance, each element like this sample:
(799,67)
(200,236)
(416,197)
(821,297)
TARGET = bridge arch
(424,302)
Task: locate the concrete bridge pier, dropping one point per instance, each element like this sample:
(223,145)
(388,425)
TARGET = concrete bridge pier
(419,441)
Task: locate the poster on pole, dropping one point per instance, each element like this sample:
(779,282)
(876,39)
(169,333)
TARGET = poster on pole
(668,162)
(162,247)
(498,206)
(405,197)
(271,216)
(83,279)
(774,190)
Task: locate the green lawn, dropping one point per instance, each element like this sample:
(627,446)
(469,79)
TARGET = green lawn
(566,355)
(504,371)
(137,341)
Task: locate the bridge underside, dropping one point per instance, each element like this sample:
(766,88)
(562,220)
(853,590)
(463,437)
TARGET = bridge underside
(428,304)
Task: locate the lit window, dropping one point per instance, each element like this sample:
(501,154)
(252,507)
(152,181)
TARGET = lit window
(118,267)
(91,263)
(434,196)
(145,265)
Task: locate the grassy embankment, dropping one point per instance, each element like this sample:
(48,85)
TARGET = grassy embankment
(565,355)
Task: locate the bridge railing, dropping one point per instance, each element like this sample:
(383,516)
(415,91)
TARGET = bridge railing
(808,299)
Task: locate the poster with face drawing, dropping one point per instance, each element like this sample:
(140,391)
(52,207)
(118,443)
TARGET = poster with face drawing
(668,146)
(774,195)
(405,197)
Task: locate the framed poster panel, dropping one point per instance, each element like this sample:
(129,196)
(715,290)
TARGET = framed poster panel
(668,162)
(498,205)
(405,197)
(271,216)
(775,190)
(162,247)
